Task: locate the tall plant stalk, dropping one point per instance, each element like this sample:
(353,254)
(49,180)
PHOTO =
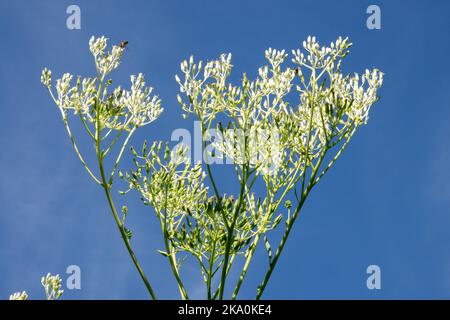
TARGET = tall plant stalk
(119,112)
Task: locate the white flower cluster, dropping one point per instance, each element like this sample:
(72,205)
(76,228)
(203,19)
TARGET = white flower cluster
(105,62)
(259,147)
(277,83)
(331,104)
(173,185)
(46,77)
(360,90)
(176,190)
(19,296)
(142,105)
(210,88)
(52,286)
(89,96)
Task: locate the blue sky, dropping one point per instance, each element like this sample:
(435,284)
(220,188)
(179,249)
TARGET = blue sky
(386,201)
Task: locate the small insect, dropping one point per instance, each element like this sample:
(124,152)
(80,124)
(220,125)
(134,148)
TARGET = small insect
(296,71)
(123,44)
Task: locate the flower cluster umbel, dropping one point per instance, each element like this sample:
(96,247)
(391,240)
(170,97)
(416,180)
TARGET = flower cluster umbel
(119,109)
(52,286)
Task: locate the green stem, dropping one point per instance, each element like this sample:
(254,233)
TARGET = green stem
(338,154)
(230,233)
(171,254)
(113,171)
(246,265)
(312,182)
(274,261)
(77,151)
(216,293)
(210,271)
(86,127)
(106,186)
(122,230)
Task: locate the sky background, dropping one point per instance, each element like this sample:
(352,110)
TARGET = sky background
(385,202)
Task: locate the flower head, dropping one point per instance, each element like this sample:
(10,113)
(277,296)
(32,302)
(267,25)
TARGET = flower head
(52,286)
(143,106)
(19,296)
(89,97)
(46,77)
(105,61)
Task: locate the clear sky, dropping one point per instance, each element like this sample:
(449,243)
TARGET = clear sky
(385,202)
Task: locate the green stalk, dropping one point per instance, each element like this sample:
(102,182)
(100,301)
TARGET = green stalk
(210,271)
(107,187)
(216,293)
(312,182)
(230,234)
(171,254)
(246,265)
(274,261)
(257,237)
(77,151)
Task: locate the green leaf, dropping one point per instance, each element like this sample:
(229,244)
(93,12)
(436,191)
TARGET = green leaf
(165,254)
(128,233)
(277,221)
(268,247)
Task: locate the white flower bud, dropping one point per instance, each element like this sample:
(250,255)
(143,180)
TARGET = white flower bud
(46,77)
